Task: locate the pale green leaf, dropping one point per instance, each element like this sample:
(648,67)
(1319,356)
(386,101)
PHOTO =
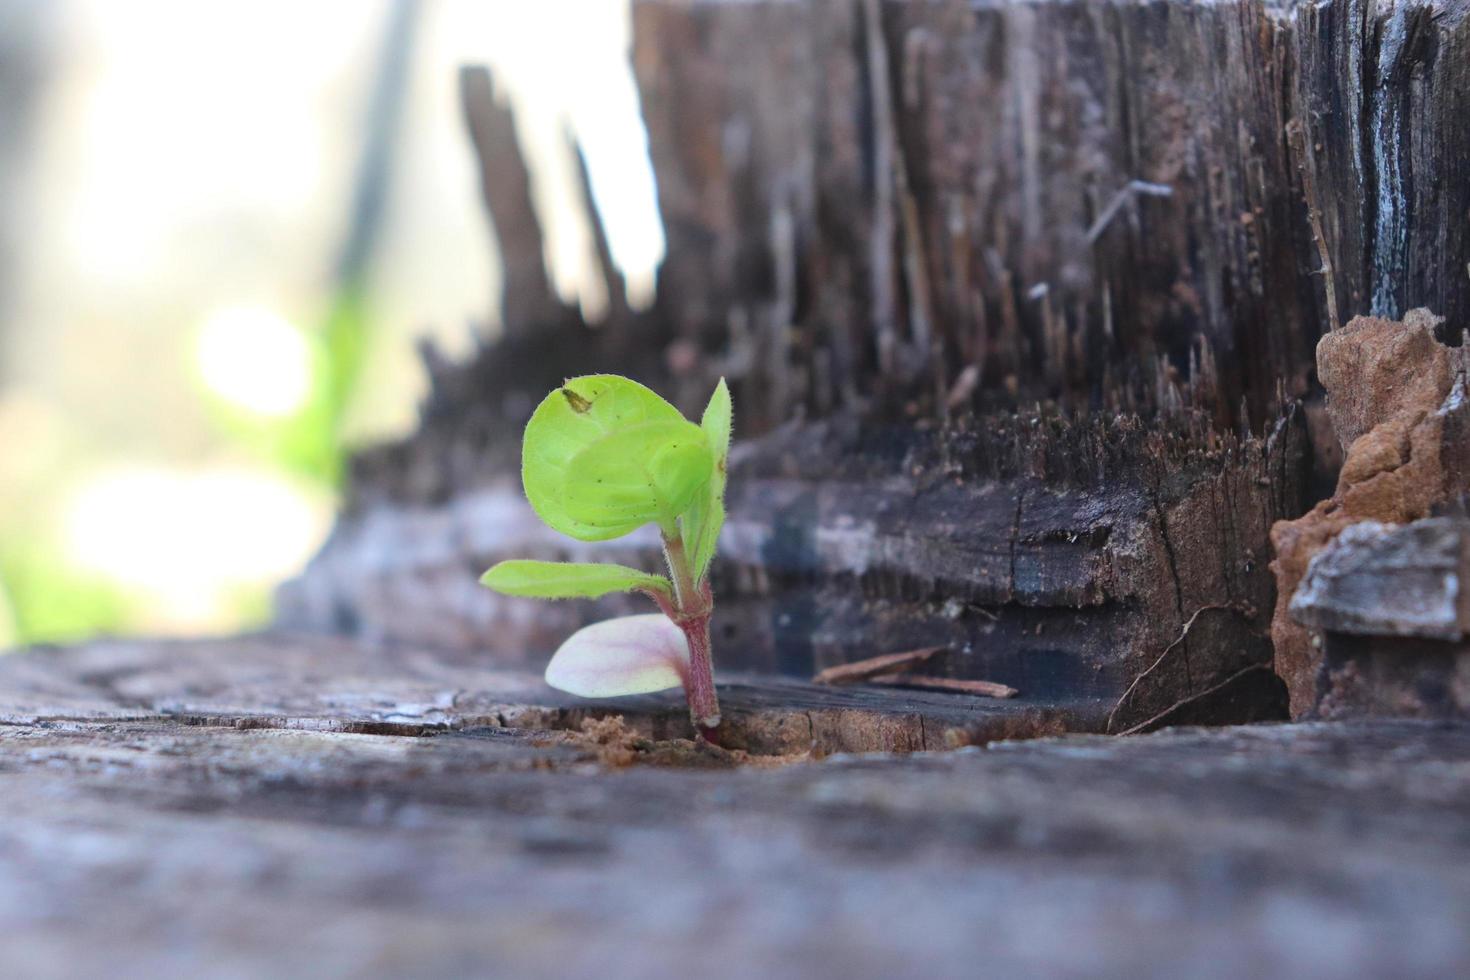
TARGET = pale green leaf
(718,417)
(628,655)
(704,520)
(706,517)
(644,473)
(569,580)
(570,419)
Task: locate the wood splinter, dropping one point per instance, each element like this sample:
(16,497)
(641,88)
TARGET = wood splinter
(888,663)
(892,670)
(988,689)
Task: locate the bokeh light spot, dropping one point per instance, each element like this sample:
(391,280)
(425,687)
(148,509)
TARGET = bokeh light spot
(255,360)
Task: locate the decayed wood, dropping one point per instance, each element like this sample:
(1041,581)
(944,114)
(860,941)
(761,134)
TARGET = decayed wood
(1059,559)
(895,193)
(1382,580)
(918,237)
(152,847)
(1397,399)
(1374,676)
(1388,607)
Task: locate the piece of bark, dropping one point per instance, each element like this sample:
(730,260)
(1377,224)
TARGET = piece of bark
(858,671)
(986,689)
(1390,615)
(1397,397)
(1375,368)
(1382,580)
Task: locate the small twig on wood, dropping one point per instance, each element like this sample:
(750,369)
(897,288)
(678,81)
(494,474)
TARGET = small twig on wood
(1183,635)
(1129,191)
(888,663)
(1156,720)
(1306,147)
(988,689)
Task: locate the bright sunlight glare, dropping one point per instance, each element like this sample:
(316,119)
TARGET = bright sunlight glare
(190,540)
(255,360)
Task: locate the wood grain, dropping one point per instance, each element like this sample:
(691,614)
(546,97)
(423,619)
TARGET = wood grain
(304,682)
(225,833)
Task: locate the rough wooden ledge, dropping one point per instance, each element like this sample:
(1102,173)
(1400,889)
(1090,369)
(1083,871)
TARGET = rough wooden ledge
(154,848)
(301,681)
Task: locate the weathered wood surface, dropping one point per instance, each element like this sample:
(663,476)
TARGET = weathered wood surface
(1062,559)
(913,211)
(1399,400)
(917,238)
(309,682)
(1391,580)
(1389,608)
(243,839)
(868,199)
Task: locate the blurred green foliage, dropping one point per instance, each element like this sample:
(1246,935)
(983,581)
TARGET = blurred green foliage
(52,602)
(45,598)
(309,444)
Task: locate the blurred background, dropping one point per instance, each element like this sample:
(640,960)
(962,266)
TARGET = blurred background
(222,229)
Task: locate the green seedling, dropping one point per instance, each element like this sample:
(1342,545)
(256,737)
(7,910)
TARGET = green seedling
(602,457)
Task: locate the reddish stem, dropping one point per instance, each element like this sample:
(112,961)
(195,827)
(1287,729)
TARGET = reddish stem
(694,603)
(704,704)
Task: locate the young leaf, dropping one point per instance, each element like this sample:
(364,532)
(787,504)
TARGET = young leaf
(569,580)
(718,417)
(646,472)
(628,655)
(568,421)
(706,516)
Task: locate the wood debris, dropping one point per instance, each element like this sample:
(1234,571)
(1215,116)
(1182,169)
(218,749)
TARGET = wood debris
(862,670)
(892,670)
(988,689)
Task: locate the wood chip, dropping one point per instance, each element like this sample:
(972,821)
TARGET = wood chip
(988,689)
(888,663)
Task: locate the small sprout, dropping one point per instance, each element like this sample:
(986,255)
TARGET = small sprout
(602,457)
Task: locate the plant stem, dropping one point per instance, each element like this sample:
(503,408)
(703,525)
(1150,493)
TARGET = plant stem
(704,705)
(693,605)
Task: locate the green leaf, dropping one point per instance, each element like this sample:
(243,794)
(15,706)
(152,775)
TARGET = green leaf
(640,474)
(628,655)
(569,580)
(567,422)
(718,417)
(706,516)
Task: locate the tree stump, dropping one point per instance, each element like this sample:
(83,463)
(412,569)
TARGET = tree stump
(288,805)
(1019,305)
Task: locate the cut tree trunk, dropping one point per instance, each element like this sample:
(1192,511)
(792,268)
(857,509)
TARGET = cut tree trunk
(1018,302)
(1002,291)
(285,806)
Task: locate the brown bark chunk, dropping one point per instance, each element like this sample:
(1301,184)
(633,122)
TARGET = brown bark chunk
(1396,397)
